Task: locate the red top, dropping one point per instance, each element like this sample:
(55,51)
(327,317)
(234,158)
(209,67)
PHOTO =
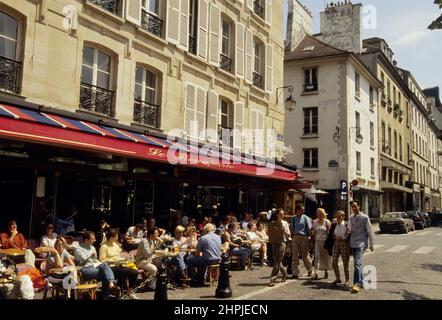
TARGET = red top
(19,241)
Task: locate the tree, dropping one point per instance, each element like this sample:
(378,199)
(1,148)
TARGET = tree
(437,24)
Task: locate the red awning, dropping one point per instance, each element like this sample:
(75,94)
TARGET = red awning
(39,127)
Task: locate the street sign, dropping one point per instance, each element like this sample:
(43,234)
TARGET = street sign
(344,190)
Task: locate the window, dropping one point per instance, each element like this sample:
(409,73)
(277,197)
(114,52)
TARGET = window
(384,174)
(390,176)
(310,121)
(395,144)
(371,98)
(225,61)
(358,161)
(9,67)
(193,26)
(388,91)
(311,158)
(383,137)
(150,20)
(394,96)
(95,93)
(258,8)
(372,134)
(146,108)
(396,178)
(401,158)
(311,80)
(226,122)
(257,68)
(373,168)
(389,141)
(357,85)
(108,5)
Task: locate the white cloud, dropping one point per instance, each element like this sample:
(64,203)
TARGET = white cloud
(411,38)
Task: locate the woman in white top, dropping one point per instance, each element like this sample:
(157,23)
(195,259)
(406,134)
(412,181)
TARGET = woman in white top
(257,244)
(48,240)
(320,229)
(341,248)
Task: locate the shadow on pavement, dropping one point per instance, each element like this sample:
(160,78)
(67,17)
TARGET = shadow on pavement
(318,285)
(414,296)
(432,267)
(414,283)
(252,284)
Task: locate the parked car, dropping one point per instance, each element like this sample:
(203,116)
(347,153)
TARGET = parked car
(427,219)
(418,219)
(436,217)
(396,221)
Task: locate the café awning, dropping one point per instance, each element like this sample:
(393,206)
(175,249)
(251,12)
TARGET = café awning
(51,129)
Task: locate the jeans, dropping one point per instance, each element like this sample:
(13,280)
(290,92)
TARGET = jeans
(102,273)
(181,267)
(357,256)
(243,253)
(193,262)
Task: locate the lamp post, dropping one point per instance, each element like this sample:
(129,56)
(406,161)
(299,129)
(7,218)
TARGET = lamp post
(289,103)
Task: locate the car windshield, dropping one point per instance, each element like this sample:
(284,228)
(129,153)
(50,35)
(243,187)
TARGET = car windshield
(392,216)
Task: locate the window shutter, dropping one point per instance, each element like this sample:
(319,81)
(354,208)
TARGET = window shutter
(268,12)
(184,25)
(249,4)
(133,11)
(238,125)
(260,136)
(189,110)
(215,40)
(172,22)
(269,68)
(201,107)
(239,63)
(203,25)
(249,57)
(212,114)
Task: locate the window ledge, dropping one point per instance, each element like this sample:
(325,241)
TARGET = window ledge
(373,177)
(310,136)
(3,91)
(227,74)
(151,36)
(110,15)
(309,93)
(194,57)
(259,20)
(257,89)
(310,169)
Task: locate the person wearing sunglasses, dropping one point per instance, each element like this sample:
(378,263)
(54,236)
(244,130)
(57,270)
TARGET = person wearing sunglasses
(48,240)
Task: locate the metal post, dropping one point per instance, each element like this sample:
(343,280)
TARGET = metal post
(161,285)
(223,290)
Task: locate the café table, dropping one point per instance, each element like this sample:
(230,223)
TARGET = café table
(13,252)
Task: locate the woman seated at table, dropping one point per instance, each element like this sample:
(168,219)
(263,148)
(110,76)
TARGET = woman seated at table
(256,244)
(110,251)
(146,254)
(192,238)
(12,239)
(48,240)
(235,244)
(180,244)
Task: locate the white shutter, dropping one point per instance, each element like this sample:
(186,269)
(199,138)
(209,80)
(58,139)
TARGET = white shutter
(133,11)
(240,52)
(215,36)
(203,25)
(212,114)
(173,21)
(269,68)
(184,24)
(249,57)
(259,138)
(201,107)
(238,125)
(190,110)
(249,4)
(268,12)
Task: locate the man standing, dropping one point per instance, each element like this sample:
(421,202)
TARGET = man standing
(361,236)
(300,230)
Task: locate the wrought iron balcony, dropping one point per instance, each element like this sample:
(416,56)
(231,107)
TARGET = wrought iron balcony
(258,9)
(9,74)
(151,23)
(147,114)
(108,5)
(96,99)
(225,63)
(258,80)
(192,45)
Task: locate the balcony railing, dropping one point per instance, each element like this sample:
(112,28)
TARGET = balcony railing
(192,45)
(151,23)
(225,63)
(9,74)
(96,99)
(258,80)
(108,5)
(258,9)
(310,87)
(147,114)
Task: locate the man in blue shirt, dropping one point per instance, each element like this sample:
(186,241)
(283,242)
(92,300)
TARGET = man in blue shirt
(208,251)
(300,227)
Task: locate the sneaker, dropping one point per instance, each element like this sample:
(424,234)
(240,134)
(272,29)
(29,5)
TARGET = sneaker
(284,279)
(355,289)
(337,281)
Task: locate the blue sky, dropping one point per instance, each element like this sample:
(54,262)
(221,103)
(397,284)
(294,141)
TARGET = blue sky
(403,23)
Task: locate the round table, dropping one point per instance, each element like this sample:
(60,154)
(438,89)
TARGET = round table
(65,270)
(13,252)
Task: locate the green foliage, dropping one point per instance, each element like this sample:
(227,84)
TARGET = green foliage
(437,24)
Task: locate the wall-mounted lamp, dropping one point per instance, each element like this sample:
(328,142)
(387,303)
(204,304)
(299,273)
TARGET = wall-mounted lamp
(359,138)
(337,135)
(289,103)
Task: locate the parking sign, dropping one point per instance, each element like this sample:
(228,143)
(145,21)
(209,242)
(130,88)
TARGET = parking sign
(344,190)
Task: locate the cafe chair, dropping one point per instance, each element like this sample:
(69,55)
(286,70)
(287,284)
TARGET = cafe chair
(213,272)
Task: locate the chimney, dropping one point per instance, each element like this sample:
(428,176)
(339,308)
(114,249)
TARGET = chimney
(341,26)
(299,24)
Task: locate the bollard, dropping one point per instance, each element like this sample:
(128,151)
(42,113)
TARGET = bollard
(161,285)
(223,290)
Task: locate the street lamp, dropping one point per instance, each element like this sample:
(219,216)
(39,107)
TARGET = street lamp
(359,138)
(289,103)
(337,135)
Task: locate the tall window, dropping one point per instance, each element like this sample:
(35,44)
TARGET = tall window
(193,26)
(258,64)
(357,84)
(150,20)
(225,60)
(400,148)
(373,168)
(146,108)
(372,134)
(95,93)
(389,141)
(9,67)
(371,97)
(311,80)
(311,158)
(388,90)
(226,121)
(358,162)
(310,121)
(394,96)
(358,120)
(395,144)
(383,137)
